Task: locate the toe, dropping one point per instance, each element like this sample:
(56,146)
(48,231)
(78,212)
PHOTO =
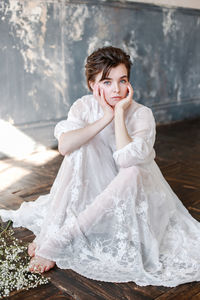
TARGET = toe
(31,249)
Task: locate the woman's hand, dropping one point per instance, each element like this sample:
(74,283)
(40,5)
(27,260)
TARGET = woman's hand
(98,93)
(126,102)
(121,133)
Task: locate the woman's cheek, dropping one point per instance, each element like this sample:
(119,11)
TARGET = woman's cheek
(106,92)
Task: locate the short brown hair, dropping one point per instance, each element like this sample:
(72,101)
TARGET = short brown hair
(103,59)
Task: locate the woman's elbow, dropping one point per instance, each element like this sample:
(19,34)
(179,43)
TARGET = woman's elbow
(62,148)
(63,151)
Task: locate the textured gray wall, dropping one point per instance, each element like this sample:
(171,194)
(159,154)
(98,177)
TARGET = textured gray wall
(43,45)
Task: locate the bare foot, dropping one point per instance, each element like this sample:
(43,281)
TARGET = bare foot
(40,264)
(31,249)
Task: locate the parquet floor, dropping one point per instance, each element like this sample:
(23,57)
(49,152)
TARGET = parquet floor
(178,156)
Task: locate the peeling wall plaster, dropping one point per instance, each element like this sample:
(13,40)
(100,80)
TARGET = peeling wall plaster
(24,18)
(170,23)
(28,21)
(77,16)
(167,21)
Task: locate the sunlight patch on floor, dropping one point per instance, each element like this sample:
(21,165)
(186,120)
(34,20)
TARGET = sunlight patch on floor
(41,157)
(10,175)
(15,143)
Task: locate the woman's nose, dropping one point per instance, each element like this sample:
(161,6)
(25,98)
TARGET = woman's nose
(116,87)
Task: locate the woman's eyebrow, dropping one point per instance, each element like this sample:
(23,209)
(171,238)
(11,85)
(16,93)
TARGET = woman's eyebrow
(108,78)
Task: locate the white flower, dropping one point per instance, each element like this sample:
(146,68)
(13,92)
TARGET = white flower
(14,261)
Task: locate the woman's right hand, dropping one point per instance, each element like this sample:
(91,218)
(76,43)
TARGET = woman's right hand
(98,93)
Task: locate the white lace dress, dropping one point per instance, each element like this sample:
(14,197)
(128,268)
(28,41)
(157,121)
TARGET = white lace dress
(110,215)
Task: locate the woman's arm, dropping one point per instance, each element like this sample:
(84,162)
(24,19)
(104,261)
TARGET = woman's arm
(121,134)
(72,140)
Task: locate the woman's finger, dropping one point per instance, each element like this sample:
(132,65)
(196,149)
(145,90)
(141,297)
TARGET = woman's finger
(130,90)
(103,99)
(96,91)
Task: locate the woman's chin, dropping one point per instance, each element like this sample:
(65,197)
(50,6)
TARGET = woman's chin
(113,102)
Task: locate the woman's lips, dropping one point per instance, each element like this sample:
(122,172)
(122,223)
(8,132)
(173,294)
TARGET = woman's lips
(116,98)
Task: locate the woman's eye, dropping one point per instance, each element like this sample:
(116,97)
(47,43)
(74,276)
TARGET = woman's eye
(123,81)
(106,82)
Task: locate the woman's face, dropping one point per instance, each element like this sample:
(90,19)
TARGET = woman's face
(114,85)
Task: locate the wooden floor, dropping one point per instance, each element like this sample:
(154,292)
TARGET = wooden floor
(178,156)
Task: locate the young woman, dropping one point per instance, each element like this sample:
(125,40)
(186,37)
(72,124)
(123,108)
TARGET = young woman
(110,214)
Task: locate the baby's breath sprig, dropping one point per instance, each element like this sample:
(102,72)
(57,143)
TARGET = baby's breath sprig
(14,261)
(5,229)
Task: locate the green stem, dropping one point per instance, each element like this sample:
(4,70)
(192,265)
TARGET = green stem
(8,225)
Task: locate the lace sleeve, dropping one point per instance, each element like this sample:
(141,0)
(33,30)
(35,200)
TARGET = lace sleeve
(141,129)
(76,118)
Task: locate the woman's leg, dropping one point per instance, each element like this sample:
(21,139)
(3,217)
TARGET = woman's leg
(31,249)
(83,222)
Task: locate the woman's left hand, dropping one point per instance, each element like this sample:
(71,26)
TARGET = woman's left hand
(126,102)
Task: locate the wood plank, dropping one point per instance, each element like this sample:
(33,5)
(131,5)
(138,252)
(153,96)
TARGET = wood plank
(24,234)
(182,292)
(9,201)
(69,282)
(195,297)
(77,285)
(43,292)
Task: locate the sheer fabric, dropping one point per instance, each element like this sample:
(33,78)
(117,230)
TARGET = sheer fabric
(110,215)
